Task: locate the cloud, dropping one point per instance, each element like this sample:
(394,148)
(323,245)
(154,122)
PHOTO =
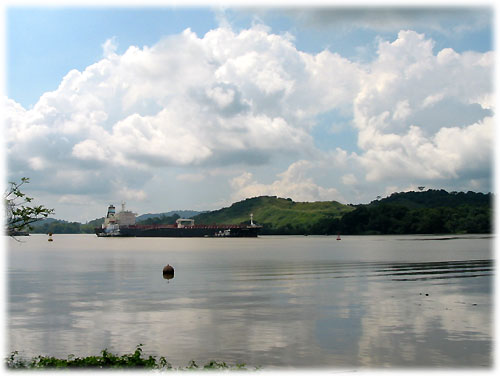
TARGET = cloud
(243,100)
(193,178)
(132,194)
(419,115)
(292,183)
(349,179)
(225,98)
(382,19)
(450,152)
(109,47)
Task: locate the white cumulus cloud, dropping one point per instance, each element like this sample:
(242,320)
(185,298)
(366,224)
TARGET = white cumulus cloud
(292,183)
(248,98)
(420,114)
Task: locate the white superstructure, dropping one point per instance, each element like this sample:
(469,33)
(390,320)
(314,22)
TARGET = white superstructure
(125,217)
(113,221)
(183,222)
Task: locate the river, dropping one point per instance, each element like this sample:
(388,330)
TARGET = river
(363,302)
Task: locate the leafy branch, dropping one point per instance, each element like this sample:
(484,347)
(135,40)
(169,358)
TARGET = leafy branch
(19,215)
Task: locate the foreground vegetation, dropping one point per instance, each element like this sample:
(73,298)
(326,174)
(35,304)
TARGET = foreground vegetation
(20,213)
(109,360)
(428,212)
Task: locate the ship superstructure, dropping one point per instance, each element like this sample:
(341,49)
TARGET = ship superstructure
(110,226)
(126,217)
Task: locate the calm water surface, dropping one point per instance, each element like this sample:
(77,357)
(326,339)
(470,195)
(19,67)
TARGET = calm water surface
(372,301)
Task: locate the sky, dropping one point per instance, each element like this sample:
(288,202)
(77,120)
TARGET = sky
(196,107)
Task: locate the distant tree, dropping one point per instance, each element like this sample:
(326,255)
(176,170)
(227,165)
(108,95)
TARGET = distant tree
(18,214)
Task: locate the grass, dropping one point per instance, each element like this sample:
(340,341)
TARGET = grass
(108,360)
(276,212)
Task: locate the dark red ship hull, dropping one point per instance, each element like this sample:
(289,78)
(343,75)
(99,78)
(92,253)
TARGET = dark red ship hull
(197,231)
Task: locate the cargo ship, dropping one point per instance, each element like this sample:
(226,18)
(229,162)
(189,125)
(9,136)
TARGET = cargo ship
(124,224)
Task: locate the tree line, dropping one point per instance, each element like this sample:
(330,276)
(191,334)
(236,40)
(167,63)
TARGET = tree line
(397,219)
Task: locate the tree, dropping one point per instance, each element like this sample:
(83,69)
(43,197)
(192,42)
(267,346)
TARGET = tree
(18,214)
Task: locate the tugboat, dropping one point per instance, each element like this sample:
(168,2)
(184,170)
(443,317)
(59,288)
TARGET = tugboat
(124,224)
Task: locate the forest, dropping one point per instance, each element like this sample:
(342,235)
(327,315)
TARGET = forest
(429,212)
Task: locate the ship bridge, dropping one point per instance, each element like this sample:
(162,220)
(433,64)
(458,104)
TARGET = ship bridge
(183,222)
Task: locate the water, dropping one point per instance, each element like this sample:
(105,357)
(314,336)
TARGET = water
(302,302)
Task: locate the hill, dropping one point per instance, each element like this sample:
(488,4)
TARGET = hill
(429,212)
(58,226)
(278,215)
(434,198)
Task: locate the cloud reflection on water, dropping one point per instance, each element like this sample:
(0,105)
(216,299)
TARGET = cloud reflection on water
(322,308)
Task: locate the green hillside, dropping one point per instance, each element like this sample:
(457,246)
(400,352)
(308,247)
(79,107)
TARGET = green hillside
(277,215)
(429,212)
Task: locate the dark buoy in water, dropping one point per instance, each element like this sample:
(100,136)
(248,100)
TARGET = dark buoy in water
(168,272)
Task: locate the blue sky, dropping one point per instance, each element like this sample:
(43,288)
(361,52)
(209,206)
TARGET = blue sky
(47,43)
(310,103)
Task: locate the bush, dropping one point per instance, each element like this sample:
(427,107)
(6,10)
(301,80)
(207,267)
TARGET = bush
(109,360)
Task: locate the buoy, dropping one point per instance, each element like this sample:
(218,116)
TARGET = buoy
(168,272)
(50,237)
(338,237)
